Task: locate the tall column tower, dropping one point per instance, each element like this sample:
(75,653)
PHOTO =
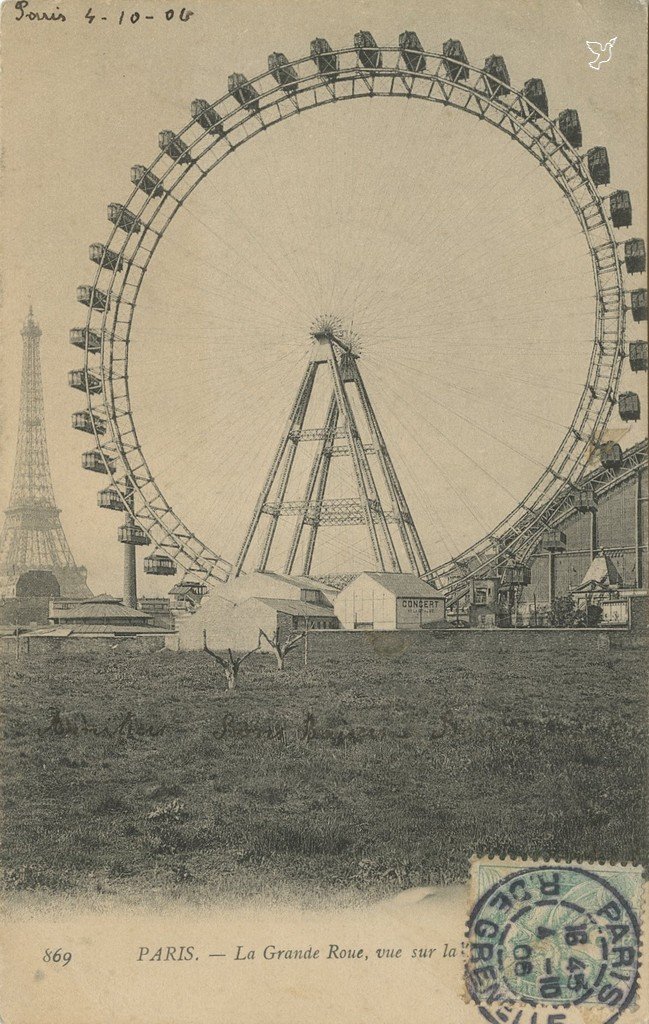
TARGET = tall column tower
(35,558)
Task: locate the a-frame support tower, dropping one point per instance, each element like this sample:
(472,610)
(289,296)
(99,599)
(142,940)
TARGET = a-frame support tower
(379,503)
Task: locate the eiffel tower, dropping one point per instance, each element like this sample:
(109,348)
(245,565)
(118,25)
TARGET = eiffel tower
(378,504)
(35,559)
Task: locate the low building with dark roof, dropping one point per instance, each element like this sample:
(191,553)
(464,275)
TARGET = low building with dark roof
(102,616)
(104,610)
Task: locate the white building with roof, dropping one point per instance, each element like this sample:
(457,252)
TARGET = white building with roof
(234,612)
(388,600)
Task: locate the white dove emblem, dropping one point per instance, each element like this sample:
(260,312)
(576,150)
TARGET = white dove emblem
(599,50)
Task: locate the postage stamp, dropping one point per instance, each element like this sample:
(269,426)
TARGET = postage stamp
(551,942)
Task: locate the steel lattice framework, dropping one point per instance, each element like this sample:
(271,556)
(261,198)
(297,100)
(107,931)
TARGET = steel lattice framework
(32,538)
(218,129)
(332,353)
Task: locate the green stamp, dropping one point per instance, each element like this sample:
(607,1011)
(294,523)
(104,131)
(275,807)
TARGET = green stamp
(542,939)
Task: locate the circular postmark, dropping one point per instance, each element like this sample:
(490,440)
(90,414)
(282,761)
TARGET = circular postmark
(552,937)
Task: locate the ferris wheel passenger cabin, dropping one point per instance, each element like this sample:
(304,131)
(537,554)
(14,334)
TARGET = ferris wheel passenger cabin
(554,540)
(598,165)
(455,57)
(83,380)
(570,127)
(159,564)
(628,405)
(495,68)
(620,205)
(638,356)
(324,59)
(534,92)
(122,218)
(206,116)
(110,498)
(89,424)
(95,462)
(132,533)
(635,257)
(585,499)
(244,93)
(367,50)
(283,73)
(412,52)
(515,574)
(610,455)
(146,180)
(639,304)
(92,297)
(174,147)
(83,337)
(105,257)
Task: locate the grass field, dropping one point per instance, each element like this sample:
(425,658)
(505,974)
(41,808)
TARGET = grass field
(137,774)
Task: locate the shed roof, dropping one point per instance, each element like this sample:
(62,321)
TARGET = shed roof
(93,599)
(97,628)
(304,582)
(404,584)
(109,608)
(89,629)
(308,608)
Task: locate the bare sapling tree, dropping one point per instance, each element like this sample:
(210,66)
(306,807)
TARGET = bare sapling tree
(230,664)
(279,647)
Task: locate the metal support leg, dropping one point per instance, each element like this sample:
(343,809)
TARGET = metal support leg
(331,423)
(305,387)
(369,499)
(289,459)
(407,530)
(319,495)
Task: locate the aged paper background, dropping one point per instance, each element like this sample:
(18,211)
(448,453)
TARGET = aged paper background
(82,102)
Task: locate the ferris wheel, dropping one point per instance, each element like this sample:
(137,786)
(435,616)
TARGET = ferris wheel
(249,108)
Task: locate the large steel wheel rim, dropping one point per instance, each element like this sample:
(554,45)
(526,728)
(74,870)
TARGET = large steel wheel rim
(170,180)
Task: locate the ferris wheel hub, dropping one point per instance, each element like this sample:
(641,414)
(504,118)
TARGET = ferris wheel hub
(328,329)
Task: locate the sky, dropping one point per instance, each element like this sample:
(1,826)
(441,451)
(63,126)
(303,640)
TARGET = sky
(443,244)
